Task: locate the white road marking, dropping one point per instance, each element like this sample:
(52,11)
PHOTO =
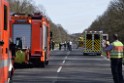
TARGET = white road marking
(66,57)
(59,69)
(63,62)
(68,53)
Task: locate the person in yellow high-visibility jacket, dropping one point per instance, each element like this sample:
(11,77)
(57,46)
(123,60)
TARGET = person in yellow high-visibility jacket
(20,57)
(116,50)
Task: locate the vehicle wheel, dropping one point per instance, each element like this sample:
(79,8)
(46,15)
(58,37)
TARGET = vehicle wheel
(43,64)
(85,54)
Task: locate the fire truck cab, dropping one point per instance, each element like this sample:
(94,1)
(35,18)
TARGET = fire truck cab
(5,54)
(31,34)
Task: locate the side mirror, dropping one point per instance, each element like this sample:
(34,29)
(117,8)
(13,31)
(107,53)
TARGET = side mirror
(1,43)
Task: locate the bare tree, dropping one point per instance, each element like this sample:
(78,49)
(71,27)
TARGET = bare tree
(112,21)
(22,6)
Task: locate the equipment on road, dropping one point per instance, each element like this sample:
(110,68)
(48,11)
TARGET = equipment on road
(80,42)
(31,34)
(6,68)
(93,42)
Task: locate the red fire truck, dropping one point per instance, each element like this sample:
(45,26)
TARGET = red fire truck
(31,34)
(5,55)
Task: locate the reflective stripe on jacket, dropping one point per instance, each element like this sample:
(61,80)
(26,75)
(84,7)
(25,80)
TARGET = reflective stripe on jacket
(117,51)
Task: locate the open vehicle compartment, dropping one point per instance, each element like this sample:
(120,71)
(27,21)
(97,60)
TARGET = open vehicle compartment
(22,31)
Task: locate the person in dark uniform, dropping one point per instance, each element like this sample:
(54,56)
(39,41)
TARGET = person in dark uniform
(65,44)
(60,46)
(53,45)
(116,57)
(68,46)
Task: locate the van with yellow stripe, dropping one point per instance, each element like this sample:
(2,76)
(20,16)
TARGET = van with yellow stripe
(92,42)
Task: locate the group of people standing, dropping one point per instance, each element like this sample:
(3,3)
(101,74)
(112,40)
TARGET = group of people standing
(67,45)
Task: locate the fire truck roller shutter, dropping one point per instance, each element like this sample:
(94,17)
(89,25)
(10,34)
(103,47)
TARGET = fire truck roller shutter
(22,31)
(45,37)
(45,40)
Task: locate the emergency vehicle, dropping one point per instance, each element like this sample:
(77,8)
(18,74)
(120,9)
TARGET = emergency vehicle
(5,55)
(105,39)
(105,36)
(93,42)
(31,34)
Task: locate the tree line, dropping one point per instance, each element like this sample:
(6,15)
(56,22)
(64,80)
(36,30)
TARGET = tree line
(28,7)
(112,21)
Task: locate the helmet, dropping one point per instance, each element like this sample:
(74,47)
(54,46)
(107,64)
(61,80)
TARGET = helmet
(107,42)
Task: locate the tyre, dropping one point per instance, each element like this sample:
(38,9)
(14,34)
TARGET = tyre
(43,64)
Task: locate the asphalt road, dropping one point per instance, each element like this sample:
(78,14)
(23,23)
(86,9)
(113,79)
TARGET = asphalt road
(68,67)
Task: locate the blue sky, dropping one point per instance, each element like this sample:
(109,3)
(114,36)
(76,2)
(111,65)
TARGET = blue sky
(73,15)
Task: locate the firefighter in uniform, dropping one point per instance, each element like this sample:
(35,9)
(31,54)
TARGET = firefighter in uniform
(116,49)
